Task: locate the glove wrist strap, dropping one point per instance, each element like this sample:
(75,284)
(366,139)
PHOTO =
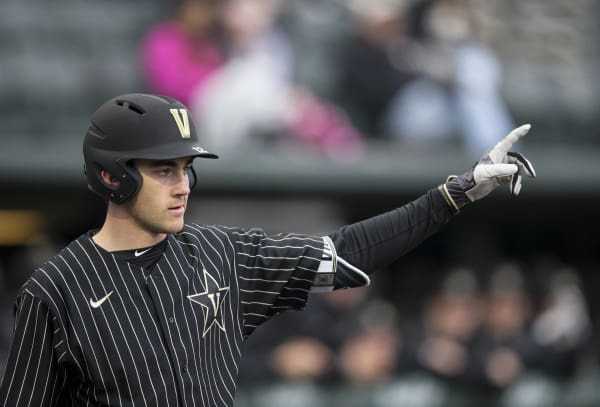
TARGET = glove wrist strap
(454,194)
(446,195)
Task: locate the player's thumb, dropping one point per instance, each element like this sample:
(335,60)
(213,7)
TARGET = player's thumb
(488,171)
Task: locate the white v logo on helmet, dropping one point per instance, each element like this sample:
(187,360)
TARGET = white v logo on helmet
(183,123)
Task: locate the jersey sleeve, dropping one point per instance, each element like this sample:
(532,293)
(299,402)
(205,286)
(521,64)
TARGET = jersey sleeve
(277,272)
(31,375)
(364,247)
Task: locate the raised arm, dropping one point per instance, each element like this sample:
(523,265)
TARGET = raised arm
(366,246)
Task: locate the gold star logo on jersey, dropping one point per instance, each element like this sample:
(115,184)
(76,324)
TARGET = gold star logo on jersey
(211,301)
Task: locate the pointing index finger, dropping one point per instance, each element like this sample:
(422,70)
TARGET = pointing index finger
(498,153)
(506,143)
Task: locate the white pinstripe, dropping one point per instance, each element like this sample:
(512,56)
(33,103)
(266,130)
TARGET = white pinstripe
(30,352)
(156,328)
(217,253)
(166,316)
(128,316)
(111,304)
(37,369)
(183,298)
(96,325)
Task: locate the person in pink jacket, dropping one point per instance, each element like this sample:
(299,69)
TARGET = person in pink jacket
(180,53)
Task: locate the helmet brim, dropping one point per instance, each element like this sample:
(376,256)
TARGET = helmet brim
(173,151)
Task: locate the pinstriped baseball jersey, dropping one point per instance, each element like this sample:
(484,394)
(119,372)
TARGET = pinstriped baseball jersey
(92,329)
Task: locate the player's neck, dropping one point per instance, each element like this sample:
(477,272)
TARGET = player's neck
(123,233)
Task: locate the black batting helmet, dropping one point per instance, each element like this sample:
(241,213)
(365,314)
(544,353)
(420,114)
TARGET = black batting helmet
(136,126)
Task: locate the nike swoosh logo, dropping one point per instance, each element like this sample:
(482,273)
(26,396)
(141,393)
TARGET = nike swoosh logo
(138,254)
(96,304)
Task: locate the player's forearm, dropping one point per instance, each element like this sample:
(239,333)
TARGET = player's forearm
(378,241)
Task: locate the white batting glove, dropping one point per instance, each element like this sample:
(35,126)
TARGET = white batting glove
(497,167)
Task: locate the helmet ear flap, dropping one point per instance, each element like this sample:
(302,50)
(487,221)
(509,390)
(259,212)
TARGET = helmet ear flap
(130,182)
(192,177)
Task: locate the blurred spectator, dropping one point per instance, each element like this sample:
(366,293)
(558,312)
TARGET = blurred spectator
(416,72)
(486,341)
(317,30)
(369,79)
(451,319)
(345,337)
(561,332)
(563,326)
(516,339)
(505,349)
(180,53)
(254,100)
(372,354)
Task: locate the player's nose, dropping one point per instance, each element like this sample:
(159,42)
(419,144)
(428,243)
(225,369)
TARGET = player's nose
(182,187)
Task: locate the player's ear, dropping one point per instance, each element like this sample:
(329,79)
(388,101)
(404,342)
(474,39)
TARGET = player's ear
(109,180)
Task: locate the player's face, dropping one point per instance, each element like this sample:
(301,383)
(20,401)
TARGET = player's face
(160,204)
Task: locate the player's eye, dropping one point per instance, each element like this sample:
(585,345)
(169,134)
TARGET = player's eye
(165,172)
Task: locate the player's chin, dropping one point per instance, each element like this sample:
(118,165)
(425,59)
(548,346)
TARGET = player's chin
(173,226)
(178,227)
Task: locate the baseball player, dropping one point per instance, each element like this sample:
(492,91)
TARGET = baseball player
(151,311)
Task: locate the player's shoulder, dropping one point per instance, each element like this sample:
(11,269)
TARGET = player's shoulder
(215,231)
(50,275)
(240,234)
(219,236)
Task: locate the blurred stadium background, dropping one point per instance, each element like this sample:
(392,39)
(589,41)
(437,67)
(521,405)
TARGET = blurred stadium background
(60,60)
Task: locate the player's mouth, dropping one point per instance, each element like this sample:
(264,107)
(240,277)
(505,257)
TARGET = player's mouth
(177,209)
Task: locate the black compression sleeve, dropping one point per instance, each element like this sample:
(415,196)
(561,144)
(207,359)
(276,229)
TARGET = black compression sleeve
(379,241)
